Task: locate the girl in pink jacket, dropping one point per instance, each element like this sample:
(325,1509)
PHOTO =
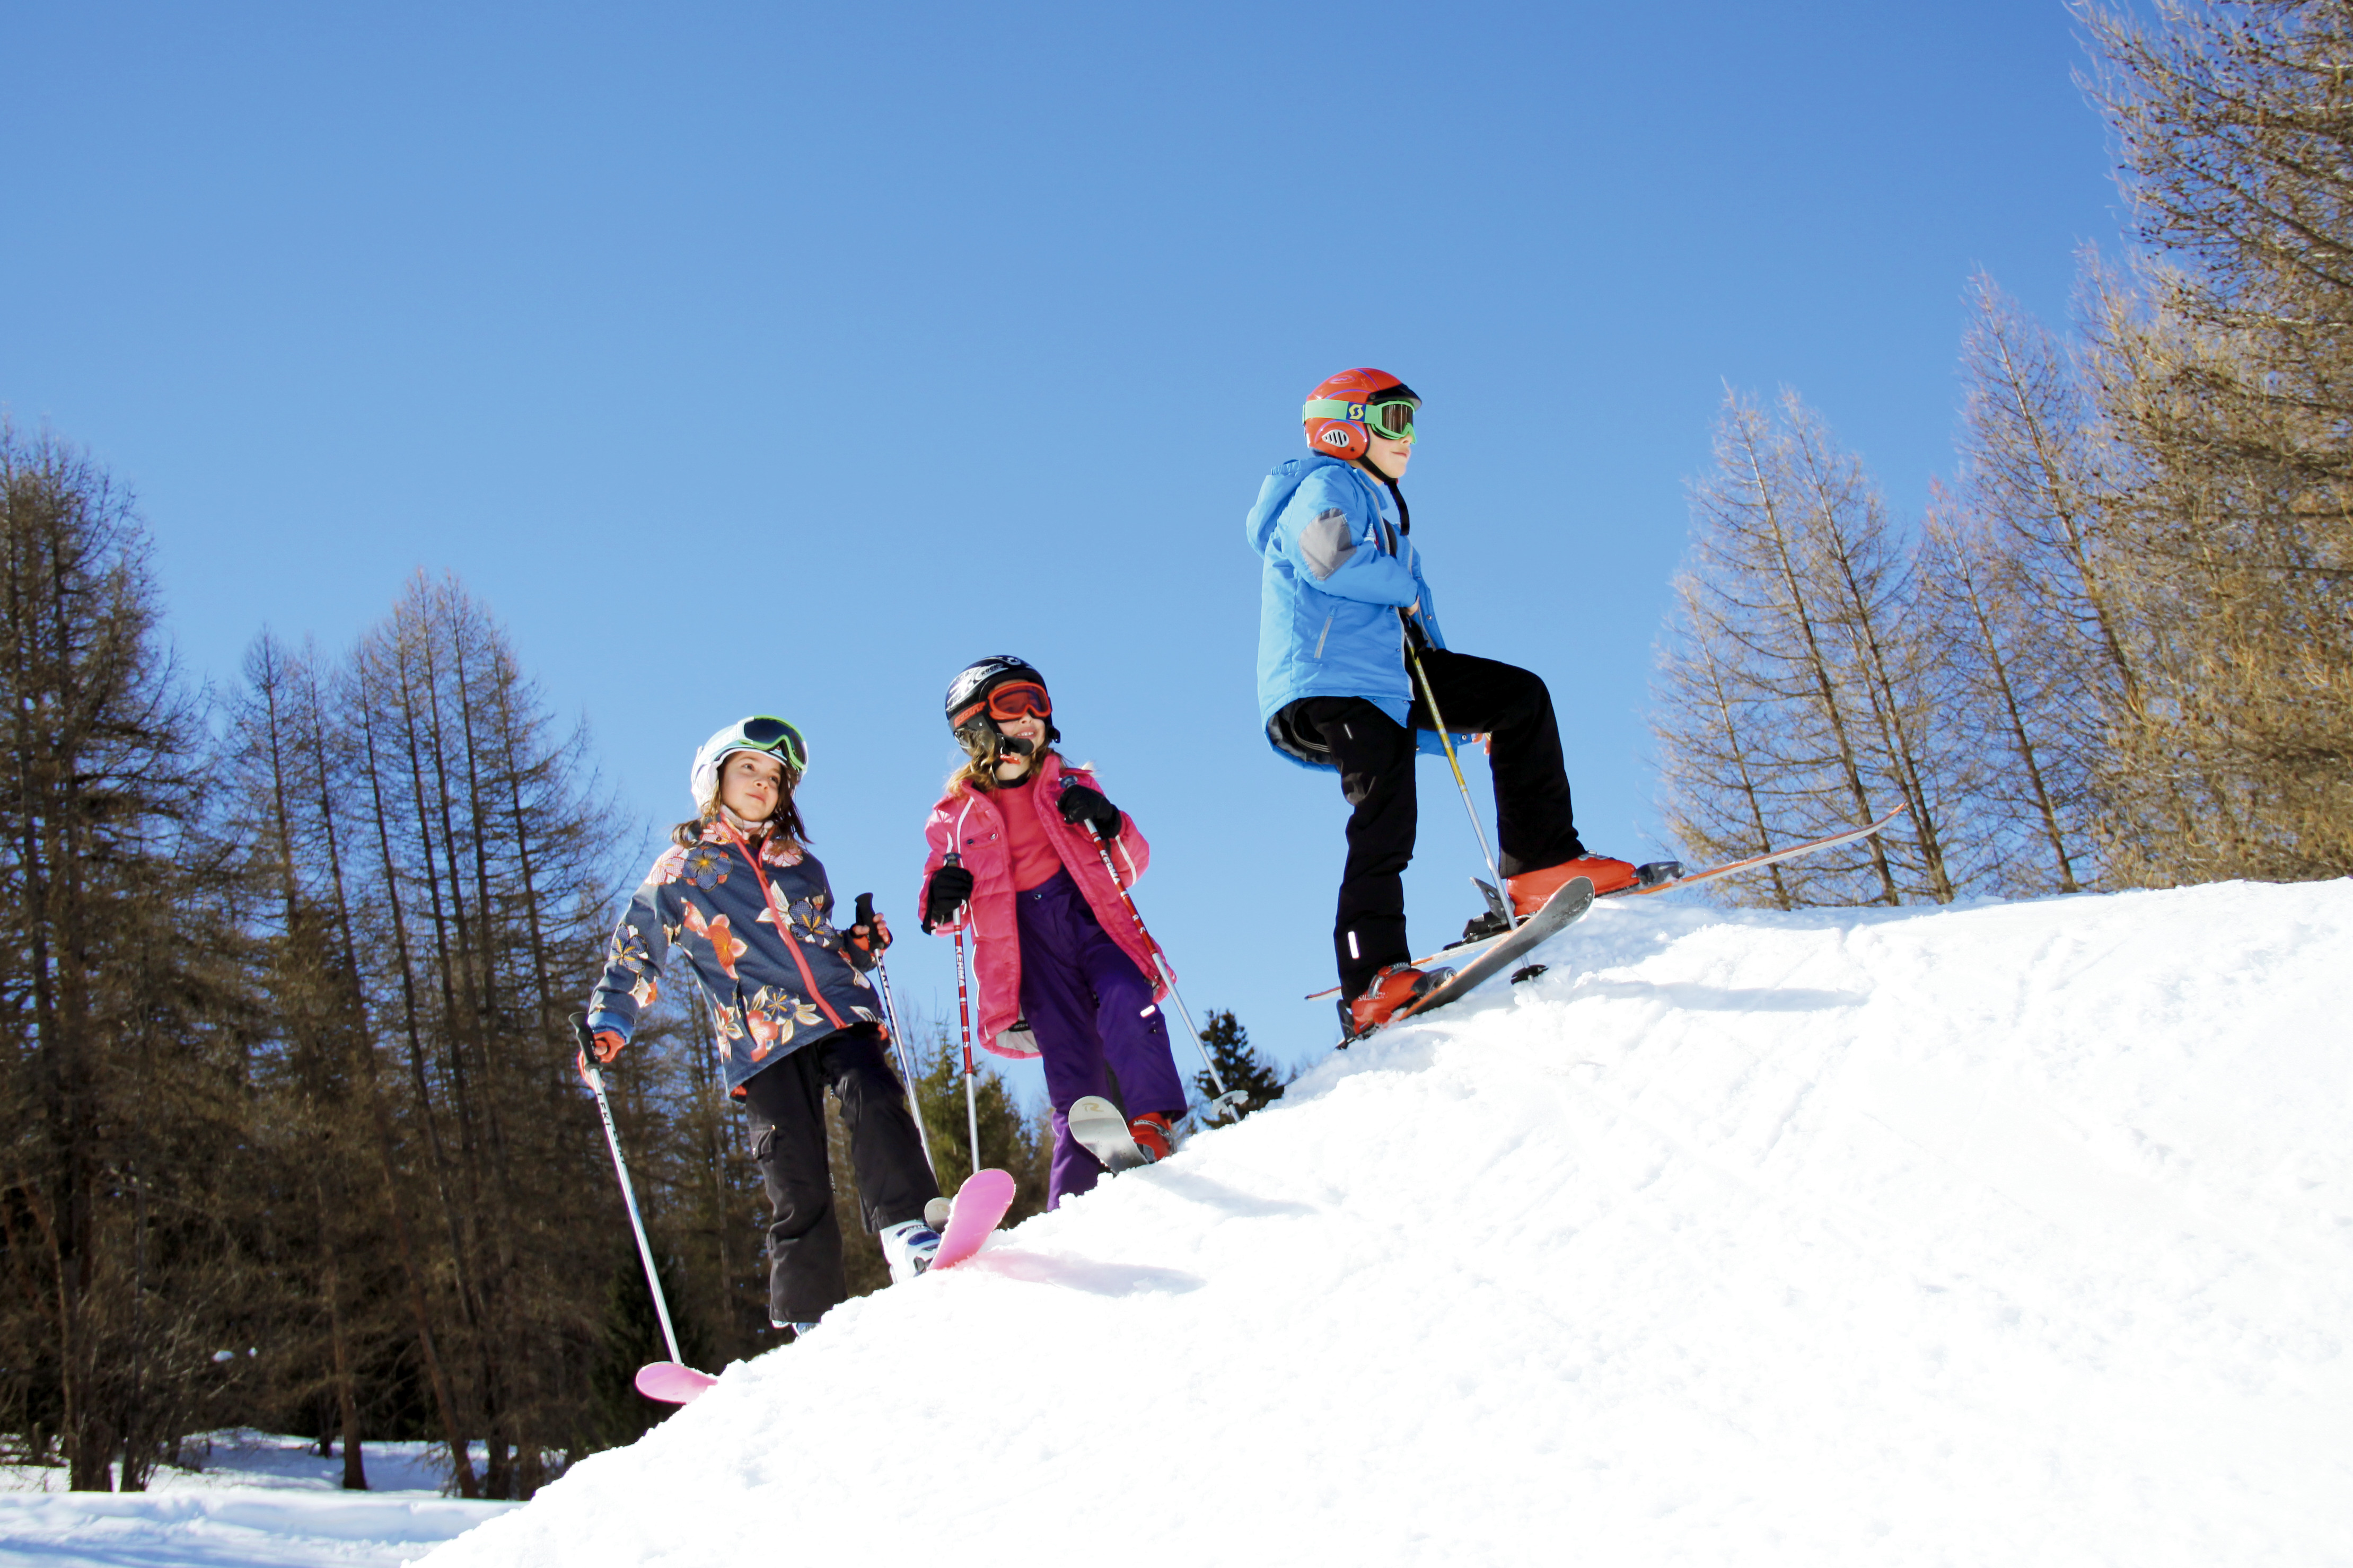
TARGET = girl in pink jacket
(1064,974)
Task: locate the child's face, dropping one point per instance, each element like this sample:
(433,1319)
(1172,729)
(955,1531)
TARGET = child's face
(1389,457)
(750,783)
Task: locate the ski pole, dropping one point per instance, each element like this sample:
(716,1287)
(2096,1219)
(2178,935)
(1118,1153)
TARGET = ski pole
(1225,1099)
(1429,699)
(865,917)
(595,1073)
(963,1011)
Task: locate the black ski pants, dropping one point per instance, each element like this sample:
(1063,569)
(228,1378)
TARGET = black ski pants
(787,1102)
(1534,825)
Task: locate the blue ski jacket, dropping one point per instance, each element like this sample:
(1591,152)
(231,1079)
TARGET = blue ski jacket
(757,934)
(1336,572)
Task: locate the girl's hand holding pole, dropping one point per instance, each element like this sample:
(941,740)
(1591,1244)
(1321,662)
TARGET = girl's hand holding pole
(604,1045)
(950,887)
(866,940)
(1080,803)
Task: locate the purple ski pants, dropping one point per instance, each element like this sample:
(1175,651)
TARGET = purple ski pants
(1092,1010)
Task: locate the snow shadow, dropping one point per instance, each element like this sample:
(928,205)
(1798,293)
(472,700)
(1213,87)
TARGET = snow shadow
(1692,997)
(1086,1274)
(1227,1200)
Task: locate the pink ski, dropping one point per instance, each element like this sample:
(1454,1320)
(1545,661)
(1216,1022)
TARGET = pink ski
(672,1383)
(980,1203)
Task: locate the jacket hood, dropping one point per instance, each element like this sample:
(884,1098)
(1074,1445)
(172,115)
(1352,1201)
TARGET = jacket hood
(1276,493)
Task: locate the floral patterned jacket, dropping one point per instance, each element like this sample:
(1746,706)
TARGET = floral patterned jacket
(759,939)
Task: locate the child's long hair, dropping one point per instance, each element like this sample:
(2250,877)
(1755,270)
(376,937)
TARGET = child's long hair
(785,821)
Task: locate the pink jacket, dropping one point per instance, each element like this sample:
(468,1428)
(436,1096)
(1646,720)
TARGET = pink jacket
(966,819)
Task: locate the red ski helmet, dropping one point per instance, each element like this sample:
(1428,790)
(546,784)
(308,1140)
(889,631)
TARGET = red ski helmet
(1337,412)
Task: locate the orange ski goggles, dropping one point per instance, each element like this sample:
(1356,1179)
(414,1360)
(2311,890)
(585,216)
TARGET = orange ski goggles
(1020,700)
(1014,699)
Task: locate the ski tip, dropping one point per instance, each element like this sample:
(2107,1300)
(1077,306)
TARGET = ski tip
(987,1183)
(1568,900)
(672,1383)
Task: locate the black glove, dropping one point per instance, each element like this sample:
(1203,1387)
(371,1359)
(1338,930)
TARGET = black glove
(1081,803)
(951,886)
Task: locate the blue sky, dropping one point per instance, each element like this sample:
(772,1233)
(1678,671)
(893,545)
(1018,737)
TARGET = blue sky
(782,358)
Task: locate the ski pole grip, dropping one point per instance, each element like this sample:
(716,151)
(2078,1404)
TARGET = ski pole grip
(587,1039)
(953,858)
(863,914)
(1099,836)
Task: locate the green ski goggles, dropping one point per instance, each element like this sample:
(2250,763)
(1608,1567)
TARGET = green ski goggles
(773,735)
(1392,420)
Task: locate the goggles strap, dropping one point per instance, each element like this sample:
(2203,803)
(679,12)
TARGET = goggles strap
(1362,413)
(1341,408)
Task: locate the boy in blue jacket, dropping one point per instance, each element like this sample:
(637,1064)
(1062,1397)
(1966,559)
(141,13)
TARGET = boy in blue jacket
(1341,592)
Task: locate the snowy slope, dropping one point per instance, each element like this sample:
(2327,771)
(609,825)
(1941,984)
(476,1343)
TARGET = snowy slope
(2011,1233)
(260,1501)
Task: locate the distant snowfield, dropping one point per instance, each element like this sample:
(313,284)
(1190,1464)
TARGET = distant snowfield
(260,1501)
(2000,1234)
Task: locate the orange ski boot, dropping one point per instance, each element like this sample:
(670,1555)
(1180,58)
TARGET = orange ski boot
(1391,989)
(1152,1134)
(1529,890)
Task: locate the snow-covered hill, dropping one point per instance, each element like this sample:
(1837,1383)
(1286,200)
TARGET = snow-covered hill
(2011,1233)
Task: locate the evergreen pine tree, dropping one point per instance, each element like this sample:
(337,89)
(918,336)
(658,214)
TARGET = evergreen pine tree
(1240,1066)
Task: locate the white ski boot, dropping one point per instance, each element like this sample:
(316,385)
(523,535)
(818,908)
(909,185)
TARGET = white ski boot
(909,1248)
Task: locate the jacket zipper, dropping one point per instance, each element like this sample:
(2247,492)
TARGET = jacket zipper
(1327,632)
(785,930)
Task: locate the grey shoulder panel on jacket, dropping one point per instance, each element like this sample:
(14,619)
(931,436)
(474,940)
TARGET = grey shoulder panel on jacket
(1327,543)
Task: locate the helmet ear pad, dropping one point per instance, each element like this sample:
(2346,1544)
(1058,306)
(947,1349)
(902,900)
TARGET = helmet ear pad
(1347,439)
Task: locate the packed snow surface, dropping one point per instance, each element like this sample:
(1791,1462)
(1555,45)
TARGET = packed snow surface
(2005,1234)
(258,1500)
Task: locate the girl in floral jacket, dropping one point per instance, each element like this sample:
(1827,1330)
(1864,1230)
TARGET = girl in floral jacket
(1063,972)
(739,893)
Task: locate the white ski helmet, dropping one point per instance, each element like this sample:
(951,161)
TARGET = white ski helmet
(762,732)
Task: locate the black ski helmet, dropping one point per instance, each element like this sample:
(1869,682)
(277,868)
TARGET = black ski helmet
(966,704)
